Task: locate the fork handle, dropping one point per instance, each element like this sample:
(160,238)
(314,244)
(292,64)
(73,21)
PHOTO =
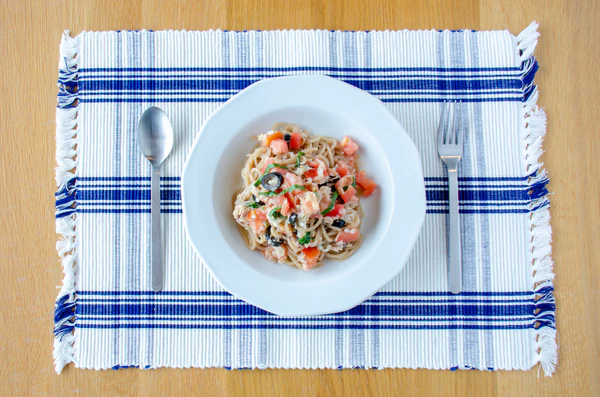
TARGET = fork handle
(455,268)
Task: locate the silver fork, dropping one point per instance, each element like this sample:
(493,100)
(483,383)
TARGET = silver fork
(450,148)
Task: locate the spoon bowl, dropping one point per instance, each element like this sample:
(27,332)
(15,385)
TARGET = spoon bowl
(155,135)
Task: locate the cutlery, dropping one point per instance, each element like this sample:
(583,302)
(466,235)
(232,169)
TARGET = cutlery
(450,148)
(155,138)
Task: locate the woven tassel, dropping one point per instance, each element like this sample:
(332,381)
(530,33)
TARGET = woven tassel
(66,201)
(534,129)
(527,41)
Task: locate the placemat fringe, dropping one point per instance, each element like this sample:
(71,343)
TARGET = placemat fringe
(527,40)
(534,120)
(66,200)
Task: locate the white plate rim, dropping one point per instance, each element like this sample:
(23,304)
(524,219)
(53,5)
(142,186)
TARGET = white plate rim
(334,304)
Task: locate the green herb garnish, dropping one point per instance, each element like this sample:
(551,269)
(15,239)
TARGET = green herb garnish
(275,213)
(300,154)
(269,168)
(354,182)
(305,239)
(332,204)
(252,204)
(289,189)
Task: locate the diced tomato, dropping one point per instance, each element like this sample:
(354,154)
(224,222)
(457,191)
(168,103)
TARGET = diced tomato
(295,140)
(367,184)
(342,168)
(256,214)
(290,179)
(279,146)
(348,193)
(287,207)
(292,200)
(271,137)
(272,202)
(351,161)
(347,236)
(311,254)
(336,211)
(312,173)
(268,161)
(349,145)
(256,219)
(319,165)
(345,181)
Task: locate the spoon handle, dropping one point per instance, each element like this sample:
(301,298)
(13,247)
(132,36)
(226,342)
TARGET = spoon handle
(157,254)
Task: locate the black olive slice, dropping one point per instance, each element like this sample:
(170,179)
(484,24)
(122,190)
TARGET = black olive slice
(272,181)
(293,219)
(339,223)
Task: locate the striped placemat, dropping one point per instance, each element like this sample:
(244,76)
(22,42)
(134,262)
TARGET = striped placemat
(108,317)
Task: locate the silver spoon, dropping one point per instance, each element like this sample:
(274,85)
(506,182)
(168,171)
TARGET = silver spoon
(155,137)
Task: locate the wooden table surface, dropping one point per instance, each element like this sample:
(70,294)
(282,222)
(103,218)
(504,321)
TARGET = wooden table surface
(569,91)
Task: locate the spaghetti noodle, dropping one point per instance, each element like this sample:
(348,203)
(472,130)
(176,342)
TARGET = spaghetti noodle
(299,201)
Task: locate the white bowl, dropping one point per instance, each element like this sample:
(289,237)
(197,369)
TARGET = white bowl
(324,106)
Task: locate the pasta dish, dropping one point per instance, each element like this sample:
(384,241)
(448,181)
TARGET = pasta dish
(300,201)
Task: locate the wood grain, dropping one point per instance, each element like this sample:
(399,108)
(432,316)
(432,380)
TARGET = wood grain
(569,90)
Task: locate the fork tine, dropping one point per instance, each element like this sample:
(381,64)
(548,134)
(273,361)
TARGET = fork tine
(442,125)
(455,121)
(450,122)
(461,127)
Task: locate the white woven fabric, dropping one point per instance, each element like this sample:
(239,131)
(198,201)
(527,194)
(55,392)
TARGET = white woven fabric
(108,317)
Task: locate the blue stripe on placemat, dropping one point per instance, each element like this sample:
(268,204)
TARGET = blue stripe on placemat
(226,93)
(378,294)
(84,71)
(393,85)
(478,195)
(466,84)
(427,178)
(445,98)
(243,74)
(118,325)
(127,317)
(428,211)
(237,301)
(85,194)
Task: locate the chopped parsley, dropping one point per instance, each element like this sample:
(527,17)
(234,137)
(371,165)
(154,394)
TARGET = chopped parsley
(305,239)
(332,204)
(275,213)
(300,154)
